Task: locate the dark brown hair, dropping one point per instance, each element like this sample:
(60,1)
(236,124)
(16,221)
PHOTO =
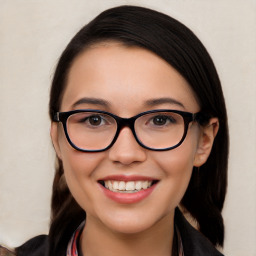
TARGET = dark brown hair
(176,44)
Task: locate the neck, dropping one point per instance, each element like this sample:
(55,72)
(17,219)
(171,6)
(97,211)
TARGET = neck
(98,240)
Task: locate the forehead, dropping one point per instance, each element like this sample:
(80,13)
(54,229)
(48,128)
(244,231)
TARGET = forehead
(125,76)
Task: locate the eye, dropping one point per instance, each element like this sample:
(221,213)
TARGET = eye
(89,121)
(161,120)
(95,120)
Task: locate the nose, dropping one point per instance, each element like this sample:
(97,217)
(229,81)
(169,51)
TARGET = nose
(126,149)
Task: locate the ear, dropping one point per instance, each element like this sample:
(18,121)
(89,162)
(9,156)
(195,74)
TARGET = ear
(55,138)
(207,136)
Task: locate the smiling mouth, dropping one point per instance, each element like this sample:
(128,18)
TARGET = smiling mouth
(127,186)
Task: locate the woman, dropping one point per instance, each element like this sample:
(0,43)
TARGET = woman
(140,131)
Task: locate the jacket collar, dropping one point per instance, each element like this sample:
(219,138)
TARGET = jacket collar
(194,243)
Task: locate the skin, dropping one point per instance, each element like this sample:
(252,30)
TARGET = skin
(127,77)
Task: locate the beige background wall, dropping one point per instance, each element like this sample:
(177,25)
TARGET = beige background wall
(32,35)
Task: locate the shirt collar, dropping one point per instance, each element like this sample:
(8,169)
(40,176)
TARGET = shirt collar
(73,245)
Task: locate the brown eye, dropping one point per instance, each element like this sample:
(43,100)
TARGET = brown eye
(95,120)
(160,120)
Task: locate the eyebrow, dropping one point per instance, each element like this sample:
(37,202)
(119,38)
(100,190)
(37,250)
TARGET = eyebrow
(93,101)
(150,102)
(159,101)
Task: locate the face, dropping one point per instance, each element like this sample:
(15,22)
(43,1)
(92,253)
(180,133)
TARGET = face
(124,80)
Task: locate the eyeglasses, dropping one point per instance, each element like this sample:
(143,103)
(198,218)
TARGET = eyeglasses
(90,130)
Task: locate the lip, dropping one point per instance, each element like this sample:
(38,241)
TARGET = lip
(127,178)
(127,198)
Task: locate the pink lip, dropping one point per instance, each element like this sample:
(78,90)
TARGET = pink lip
(127,178)
(127,198)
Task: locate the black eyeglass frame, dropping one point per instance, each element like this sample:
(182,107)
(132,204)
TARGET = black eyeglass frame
(129,122)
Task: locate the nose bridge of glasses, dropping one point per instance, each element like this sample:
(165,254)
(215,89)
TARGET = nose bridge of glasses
(125,122)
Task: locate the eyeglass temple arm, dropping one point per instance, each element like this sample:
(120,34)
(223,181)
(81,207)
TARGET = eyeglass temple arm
(56,117)
(201,117)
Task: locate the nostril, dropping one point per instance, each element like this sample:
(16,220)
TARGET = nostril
(127,157)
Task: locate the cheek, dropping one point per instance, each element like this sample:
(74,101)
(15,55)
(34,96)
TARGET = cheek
(80,164)
(179,161)
(76,162)
(177,167)
(79,168)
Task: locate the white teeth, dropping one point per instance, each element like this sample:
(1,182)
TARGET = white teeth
(127,187)
(138,185)
(130,185)
(115,185)
(144,184)
(110,185)
(121,185)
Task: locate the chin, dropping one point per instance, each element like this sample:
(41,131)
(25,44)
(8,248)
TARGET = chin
(129,228)
(135,223)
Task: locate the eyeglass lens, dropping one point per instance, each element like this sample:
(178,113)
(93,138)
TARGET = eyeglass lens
(90,130)
(96,131)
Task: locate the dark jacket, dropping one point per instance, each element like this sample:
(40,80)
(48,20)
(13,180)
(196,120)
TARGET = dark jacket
(194,243)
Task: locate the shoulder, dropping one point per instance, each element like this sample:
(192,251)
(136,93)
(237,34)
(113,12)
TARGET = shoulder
(37,246)
(194,243)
